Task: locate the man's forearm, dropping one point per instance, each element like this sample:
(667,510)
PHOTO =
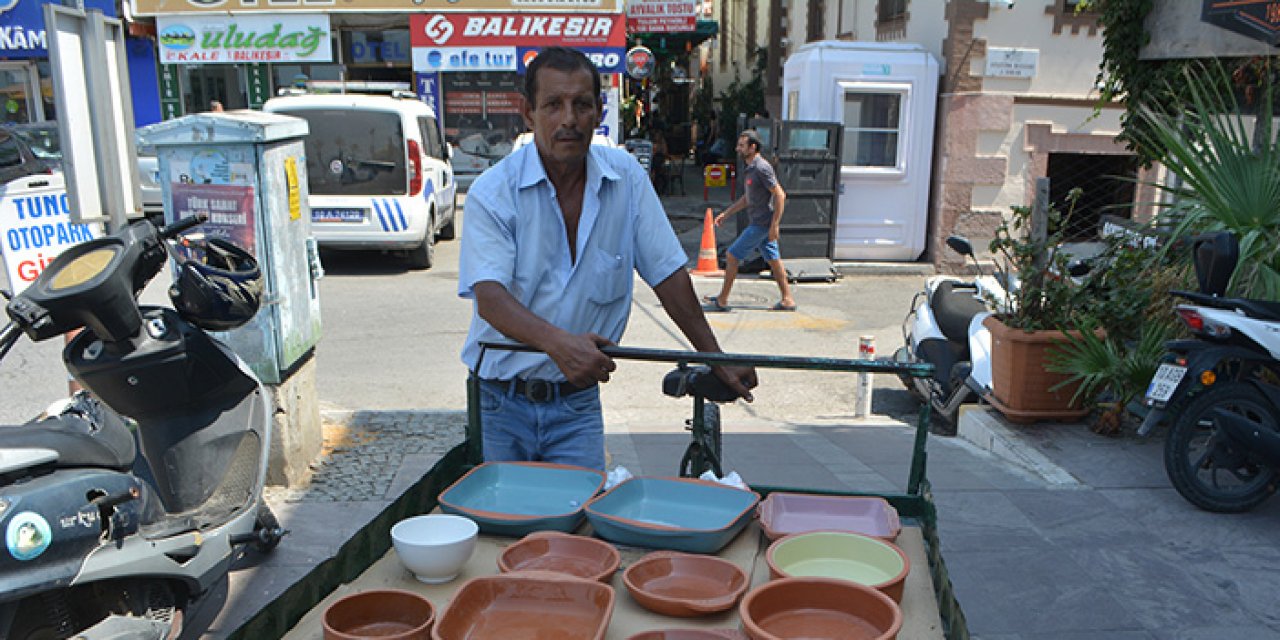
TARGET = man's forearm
(681,304)
(503,312)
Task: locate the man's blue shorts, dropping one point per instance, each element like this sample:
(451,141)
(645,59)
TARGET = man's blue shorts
(755,237)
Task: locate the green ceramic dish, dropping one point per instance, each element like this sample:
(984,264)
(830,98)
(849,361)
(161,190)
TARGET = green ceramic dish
(842,555)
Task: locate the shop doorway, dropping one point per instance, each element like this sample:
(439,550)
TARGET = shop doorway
(20,93)
(202,84)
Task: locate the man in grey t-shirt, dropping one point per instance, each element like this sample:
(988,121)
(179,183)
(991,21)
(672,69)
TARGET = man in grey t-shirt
(763,198)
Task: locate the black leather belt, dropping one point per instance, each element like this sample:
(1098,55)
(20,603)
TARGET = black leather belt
(538,390)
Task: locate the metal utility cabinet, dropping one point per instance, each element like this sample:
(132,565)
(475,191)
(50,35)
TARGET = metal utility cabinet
(246,170)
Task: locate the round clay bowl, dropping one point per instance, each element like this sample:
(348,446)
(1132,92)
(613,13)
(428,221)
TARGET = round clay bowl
(562,553)
(683,584)
(387,614)
(841,554)
(690,634)
(819,608)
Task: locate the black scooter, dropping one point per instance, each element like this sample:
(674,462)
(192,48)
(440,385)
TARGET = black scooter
(1220,391)
(101,542)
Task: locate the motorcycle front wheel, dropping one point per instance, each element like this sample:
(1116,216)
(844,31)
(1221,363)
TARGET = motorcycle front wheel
(1207,468)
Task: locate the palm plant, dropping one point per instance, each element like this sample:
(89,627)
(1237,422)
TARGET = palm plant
(1229,179)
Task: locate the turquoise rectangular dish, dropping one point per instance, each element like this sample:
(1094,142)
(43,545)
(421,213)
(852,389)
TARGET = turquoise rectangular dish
(518,498)
(672,513)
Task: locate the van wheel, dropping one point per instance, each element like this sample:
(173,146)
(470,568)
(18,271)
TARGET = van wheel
(449,231)
(424,255)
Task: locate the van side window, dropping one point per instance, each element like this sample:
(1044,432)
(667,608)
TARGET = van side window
(431,134)
(10,153)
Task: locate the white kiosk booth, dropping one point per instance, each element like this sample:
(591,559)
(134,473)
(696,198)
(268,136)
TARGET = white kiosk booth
(885,94)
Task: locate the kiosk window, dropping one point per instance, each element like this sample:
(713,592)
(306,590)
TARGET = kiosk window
(871,126)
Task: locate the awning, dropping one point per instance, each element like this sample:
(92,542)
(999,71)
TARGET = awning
(678,43)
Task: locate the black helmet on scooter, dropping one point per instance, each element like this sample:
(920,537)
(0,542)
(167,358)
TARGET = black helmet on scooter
(220,288)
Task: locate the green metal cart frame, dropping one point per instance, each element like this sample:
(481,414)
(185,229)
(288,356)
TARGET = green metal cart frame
(915,506)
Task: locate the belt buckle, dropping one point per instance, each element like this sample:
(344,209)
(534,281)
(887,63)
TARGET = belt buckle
(538,390)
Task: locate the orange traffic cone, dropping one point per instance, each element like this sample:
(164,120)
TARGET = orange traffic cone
(707,265)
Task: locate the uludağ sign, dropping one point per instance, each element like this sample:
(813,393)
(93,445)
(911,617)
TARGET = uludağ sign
(241,39)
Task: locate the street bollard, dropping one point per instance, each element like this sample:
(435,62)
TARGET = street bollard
(862,397)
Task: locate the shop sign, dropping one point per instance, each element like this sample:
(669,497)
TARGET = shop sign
(22,33)
(242,39)
(606,59)
(368,47)
(36,226)
(429,90)
(519,30)
(1256,19)
(224,7)
(431,60)
(640,62)
(662,16)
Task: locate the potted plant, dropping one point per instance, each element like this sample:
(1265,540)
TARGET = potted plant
(1045,301)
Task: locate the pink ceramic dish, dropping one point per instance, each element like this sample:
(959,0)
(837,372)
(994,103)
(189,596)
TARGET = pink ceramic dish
(783,514)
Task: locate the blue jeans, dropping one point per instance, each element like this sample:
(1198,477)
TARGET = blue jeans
(752,238)
(564,430)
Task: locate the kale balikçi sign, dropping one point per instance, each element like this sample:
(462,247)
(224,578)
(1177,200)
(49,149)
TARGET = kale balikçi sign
(22,33)
(505,42)
(239,39)
(1257,19)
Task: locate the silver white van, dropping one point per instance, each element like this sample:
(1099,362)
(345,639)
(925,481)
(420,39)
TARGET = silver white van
(379,173)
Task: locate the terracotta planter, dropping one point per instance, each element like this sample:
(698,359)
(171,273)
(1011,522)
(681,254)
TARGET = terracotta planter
(1020,383)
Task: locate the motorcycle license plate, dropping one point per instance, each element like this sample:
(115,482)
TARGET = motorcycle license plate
(1165,381)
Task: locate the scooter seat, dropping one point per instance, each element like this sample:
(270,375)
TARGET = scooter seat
(954,305)
(76,439)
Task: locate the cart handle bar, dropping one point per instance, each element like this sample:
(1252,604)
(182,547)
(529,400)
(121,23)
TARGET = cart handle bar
(914,369)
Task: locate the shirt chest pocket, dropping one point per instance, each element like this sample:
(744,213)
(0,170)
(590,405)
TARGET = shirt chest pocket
(608,277)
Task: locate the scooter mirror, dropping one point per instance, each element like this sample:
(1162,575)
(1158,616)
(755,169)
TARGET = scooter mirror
(960,245)
(1215,256)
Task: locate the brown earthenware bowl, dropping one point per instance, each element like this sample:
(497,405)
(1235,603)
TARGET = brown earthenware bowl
(690,634)
(683,584)
(818,608)
(562,553)
(390,614)
(527,604)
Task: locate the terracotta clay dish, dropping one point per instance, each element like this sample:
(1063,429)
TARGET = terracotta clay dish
(384,613)
(562,553)
(527,604)
(690,634)
(815,608)
(685,585)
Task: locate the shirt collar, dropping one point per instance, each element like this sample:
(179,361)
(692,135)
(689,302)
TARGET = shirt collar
(532,172)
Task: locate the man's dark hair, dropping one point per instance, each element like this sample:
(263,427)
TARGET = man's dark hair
(560,59)
(752,137)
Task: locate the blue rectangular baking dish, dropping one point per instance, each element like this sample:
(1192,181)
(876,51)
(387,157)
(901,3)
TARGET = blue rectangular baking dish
(682,514)
(518,498)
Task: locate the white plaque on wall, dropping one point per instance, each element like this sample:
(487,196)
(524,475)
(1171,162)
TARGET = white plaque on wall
(1011,63)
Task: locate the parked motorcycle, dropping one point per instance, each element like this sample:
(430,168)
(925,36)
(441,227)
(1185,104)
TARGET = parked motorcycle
(944,327)
(103,542)
(1220,391)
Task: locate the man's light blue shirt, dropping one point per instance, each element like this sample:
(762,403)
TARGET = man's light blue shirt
(514,234)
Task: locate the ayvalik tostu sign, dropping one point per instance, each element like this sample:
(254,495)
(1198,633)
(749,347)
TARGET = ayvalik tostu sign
(244,38)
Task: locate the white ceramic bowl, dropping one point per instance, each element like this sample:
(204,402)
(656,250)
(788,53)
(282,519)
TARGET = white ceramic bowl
(435,546)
